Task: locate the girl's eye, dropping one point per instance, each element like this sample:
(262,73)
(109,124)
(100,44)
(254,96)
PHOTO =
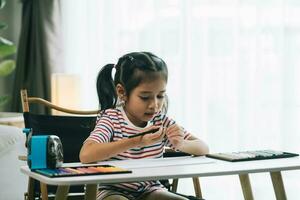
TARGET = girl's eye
(144,98)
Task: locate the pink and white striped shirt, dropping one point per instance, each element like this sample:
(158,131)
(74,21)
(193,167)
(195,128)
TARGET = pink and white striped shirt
(113,125)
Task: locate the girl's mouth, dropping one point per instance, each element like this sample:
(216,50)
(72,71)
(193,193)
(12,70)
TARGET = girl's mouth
(150,114)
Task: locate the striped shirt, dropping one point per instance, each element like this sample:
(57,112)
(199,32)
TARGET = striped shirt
(113,125)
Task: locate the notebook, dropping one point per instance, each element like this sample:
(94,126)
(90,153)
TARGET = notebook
(251,155)
(81,171)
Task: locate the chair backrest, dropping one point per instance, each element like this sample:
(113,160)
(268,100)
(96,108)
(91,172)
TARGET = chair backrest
(72,130)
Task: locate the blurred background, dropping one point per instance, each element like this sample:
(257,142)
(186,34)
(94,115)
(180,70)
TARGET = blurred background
(233,68)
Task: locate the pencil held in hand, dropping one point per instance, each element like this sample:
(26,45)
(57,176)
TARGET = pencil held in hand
(144,133)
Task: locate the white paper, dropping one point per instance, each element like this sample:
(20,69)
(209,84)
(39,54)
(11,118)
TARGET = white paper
(161,162)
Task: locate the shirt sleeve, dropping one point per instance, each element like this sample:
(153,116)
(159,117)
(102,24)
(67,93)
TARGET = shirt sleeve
(103,131)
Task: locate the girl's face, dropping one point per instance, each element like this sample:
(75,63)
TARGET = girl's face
(145,101)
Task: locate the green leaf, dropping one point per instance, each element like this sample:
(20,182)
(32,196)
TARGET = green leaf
(2,3)
(5,41)
(7,67)
(6,47)
(4,100)
(3,26)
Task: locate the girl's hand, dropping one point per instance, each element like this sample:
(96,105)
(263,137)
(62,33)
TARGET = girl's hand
(175,135)
(151,138)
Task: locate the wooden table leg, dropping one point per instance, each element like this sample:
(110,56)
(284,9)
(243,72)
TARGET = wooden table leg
(44,191)
(174,185)
(62,192)
(278,185)
(30,189)
(197,187)
(91,192)
(246,186)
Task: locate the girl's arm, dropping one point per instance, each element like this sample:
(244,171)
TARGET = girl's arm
(192,145)
(92,151)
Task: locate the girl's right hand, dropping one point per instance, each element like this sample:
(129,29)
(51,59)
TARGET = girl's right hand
(151,138)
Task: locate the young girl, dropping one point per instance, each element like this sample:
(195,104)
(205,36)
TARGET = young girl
(132,102)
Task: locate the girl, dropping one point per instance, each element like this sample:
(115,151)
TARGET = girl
(132,102)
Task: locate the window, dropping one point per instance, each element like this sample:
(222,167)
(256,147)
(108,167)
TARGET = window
(234,64)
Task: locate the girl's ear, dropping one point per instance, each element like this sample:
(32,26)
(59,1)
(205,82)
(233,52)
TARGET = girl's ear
(121,92)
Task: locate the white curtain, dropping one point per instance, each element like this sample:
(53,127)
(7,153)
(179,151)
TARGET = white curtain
(234,66)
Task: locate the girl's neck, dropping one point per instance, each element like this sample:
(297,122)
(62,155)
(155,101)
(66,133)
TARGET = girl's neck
(134,124)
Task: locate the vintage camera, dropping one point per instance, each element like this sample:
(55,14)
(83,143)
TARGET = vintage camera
(43,151)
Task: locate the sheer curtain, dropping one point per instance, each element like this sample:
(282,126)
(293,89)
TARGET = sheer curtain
(234,67)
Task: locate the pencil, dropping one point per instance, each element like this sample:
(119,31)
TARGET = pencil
(144,133)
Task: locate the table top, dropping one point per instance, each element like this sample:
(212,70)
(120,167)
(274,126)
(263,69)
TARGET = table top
(165,168)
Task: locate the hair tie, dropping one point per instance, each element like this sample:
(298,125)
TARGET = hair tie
(131,58)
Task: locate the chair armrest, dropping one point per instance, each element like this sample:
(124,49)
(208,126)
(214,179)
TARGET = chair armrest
(171,153)
(22,158)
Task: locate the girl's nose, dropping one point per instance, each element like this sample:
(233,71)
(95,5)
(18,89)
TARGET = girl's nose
(153,104)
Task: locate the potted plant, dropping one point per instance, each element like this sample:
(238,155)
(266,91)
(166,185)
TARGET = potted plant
(7,48)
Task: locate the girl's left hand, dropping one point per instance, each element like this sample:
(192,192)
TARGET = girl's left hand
(175,135)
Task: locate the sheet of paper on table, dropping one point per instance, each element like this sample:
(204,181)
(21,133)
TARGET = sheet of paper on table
(159,162)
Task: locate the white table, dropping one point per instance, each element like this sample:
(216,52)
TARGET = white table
(180,167)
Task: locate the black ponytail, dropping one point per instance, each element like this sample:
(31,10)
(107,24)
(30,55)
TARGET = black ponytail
(131,69)
(105,88)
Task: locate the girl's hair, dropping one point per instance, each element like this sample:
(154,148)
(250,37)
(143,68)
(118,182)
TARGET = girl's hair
(131,70)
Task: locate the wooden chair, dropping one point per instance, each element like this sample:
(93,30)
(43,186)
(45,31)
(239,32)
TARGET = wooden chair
(72,130)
